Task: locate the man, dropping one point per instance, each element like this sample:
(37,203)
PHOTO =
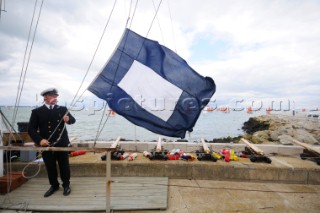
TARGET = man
(47,128)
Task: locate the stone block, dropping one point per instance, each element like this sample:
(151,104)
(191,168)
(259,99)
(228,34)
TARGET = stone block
(293,176)
(314,177)
(290,150)
(192,147)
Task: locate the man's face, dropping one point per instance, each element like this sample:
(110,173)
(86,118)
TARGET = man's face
(51,99)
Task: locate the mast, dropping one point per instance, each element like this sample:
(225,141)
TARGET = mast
(1,144)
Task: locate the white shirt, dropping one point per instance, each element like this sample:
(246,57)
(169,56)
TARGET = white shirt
(48,106)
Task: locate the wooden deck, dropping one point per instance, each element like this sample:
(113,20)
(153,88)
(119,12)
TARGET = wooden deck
(89,194)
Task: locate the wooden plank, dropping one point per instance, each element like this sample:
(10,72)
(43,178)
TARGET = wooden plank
(89,194)
(159,147)
(307,146)
(205,146)
(116,143)
(37,148)
(253,147)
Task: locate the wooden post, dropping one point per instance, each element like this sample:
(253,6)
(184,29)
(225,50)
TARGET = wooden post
(108,181)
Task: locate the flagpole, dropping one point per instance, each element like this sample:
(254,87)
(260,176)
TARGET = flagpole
(108,181)
(135,136)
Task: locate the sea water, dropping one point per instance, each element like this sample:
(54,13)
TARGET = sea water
(89,124)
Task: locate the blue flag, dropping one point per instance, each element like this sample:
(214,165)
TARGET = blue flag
(153,87)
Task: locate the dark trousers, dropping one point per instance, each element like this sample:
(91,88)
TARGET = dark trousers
(50,159)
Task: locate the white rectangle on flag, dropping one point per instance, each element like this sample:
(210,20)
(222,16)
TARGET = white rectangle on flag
(152,92)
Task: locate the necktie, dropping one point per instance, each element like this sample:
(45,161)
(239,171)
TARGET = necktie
(50,107)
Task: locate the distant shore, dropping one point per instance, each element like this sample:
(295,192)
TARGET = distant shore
(271,129)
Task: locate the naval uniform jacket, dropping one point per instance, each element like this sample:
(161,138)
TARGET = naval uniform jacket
(43,122)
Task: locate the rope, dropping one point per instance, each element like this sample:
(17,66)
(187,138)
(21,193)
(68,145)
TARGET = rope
(32,176)
(38,163)
(57,141)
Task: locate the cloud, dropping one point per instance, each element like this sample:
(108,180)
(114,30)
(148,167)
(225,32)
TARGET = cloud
(254,50)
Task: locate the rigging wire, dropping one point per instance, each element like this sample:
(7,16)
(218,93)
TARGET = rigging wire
(159,23)
(99,131)
(134,12)
(114,76)
(128,18)
(21,85)
(122,53)
(4,7)
(99,127)
(24,71)
(155,15)
(73,102)
(104,123)
(172,29)
(0,8)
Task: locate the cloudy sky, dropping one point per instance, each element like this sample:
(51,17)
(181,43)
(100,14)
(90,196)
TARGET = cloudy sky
(259,51)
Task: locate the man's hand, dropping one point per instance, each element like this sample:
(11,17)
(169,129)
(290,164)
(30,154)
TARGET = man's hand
(44,142)
(66,118)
